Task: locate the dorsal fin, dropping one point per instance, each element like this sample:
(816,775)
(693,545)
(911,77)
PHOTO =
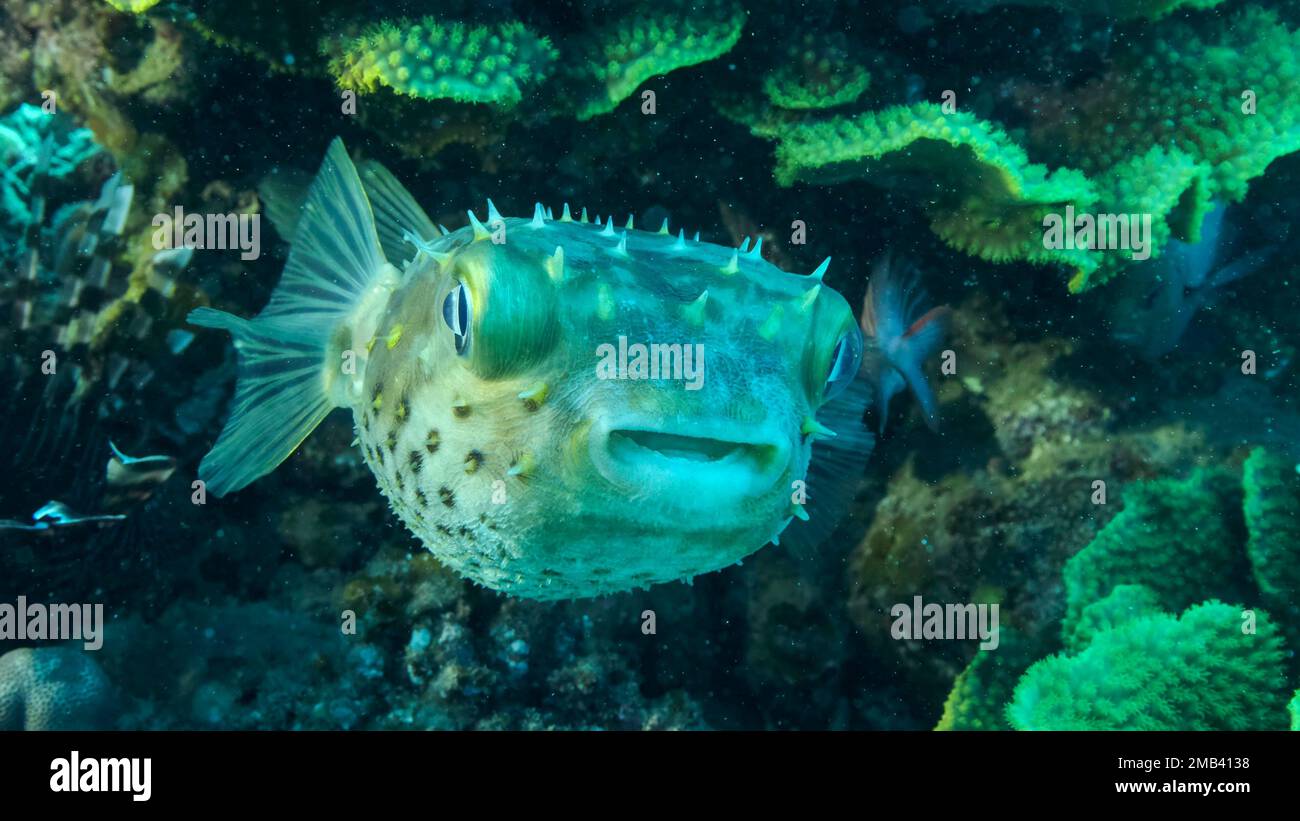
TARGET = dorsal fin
(396,212)
(283,191)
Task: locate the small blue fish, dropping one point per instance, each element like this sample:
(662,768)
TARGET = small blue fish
(1158,299)
(900,335)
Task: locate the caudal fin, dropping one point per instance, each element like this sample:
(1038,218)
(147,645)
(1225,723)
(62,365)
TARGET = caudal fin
(281,395)
(921,342)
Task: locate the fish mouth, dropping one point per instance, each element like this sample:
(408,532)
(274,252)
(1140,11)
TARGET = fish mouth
(703,462)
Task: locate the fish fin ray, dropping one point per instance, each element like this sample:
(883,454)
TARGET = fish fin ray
(283,192)
(396,211)
(281,394)
(836,467)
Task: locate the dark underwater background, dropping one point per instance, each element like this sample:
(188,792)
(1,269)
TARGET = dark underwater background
(1173,605)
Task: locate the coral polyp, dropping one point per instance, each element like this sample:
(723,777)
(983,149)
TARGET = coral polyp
(431,60)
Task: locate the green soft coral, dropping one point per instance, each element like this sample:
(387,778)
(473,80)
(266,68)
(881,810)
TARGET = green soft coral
(609,64)
(978,187)
(1204,670)
(1180,538)
(430,60)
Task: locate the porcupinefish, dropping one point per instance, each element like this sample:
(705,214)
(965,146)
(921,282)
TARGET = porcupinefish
(900,334)
(483,403)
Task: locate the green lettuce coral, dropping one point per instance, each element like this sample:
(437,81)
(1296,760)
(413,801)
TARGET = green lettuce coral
(1203,670)
(978,187)
(431,60)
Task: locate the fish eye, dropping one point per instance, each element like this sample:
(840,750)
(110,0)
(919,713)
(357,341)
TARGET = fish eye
(844,364)
(456,311)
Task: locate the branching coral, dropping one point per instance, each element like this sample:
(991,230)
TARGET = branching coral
(1205,670)
(979,188)
(610,63)
(431,60)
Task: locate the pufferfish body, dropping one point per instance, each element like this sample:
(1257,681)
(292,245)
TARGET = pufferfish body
(556,407)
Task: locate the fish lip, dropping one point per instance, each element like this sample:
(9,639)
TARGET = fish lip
(695,462)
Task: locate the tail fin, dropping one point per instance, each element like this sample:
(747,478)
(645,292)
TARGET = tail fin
(920,343)
(282,392)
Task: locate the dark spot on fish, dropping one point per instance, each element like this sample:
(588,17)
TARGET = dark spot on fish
(473,461)
(432,442)
(448,498)
(461,411)
(391,441)
(421,499)
(417,461)
(444,530)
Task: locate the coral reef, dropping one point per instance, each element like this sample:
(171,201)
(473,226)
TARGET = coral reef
(610,63)
(1199,671)
(1163,524)
(53,688)
(1217,109)
(1271,484)
(831,114)
(818,71)
(430,60)
(979,189)
(1128,662)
